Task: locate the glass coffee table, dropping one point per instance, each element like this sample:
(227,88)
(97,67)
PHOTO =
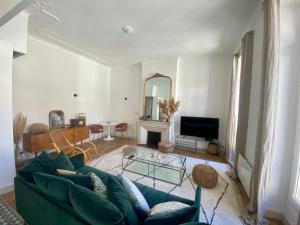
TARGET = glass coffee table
(151,163)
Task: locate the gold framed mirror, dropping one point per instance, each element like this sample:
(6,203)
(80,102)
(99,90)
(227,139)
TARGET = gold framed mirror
(156,88)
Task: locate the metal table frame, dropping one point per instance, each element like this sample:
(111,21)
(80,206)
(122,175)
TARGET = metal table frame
(128,160)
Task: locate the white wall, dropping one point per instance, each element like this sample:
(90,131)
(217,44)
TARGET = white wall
(125,83)
(203,87)
(7,165)
(47,77)
(15,32)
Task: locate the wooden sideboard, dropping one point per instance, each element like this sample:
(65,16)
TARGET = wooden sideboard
(35,143)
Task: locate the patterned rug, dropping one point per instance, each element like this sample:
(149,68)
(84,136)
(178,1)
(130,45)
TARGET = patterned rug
(8,216)
(219,205)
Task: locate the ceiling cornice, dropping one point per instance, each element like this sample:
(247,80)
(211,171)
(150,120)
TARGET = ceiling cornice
(42,6)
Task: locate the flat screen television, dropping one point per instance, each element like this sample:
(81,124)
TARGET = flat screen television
(200,127)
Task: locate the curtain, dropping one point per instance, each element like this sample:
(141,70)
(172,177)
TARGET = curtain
(237,123)
(244,97)
(233,111)
(268,109)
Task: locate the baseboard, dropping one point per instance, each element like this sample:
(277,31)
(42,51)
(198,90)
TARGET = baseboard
(277,215)
(7,189)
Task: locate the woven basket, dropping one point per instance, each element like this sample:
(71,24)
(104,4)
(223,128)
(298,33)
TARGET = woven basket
(205,176)
(165,147)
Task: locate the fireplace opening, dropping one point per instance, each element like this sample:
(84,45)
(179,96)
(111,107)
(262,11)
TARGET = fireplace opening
(153,139)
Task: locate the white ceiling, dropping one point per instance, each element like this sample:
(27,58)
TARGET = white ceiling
(164,28)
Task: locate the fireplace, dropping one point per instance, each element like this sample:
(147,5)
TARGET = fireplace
(165,130)
(153,138)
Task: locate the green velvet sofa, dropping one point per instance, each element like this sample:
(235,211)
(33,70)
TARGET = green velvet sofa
(40,208)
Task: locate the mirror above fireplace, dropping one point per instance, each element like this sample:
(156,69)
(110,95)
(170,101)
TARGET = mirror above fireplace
(157,88)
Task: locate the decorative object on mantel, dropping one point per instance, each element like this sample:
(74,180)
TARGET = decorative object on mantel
(56,119)
(38,128)
(18,129)
(168,107)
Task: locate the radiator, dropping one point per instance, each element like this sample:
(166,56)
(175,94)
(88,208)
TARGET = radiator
(244,171)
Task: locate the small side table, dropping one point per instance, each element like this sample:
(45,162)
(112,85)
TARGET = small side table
(108,125)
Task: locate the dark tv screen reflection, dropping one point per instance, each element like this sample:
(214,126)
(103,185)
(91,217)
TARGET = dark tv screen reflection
(200,127)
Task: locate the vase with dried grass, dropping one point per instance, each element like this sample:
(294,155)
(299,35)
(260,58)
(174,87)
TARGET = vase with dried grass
(18,129)
(168,107)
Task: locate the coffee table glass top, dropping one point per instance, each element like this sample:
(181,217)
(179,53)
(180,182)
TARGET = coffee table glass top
(154,164)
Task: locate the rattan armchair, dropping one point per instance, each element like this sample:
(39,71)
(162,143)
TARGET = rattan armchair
(61,143)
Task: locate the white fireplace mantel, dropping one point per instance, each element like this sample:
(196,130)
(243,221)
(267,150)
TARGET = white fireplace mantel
(165,128)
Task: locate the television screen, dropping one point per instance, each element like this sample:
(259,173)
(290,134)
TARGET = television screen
(200,127)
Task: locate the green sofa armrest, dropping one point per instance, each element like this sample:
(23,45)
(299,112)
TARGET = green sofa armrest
(154,197)
(77,161)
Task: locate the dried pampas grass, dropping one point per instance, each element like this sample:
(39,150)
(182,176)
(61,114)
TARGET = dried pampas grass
(168,107)
(19,126)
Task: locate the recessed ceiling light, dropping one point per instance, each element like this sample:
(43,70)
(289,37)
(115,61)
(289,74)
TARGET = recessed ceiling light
(128,29)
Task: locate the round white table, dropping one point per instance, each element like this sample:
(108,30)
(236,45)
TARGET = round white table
(108,125)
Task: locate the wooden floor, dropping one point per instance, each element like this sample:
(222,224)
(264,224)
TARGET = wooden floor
(104,147)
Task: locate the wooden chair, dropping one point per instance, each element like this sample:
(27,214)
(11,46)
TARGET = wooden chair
(121,128)
(61,143)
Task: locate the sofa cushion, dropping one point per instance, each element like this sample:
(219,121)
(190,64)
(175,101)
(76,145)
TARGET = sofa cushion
(101,174)
(177,217)
(32,167)
(118,196)
(98,186)
(50,164)
(135,196)
(94,209)
(167,208)
(53,186)
(79,179)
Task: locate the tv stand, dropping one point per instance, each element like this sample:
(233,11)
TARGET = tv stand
(187,142)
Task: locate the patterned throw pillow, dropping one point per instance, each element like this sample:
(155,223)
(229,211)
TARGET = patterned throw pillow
(135,196)
(98,186)
(167,208)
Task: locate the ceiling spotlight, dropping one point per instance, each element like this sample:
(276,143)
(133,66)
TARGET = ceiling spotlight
(128,29)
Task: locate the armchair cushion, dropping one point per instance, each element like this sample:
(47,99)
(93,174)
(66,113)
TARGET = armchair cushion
(53,186)
(94,209)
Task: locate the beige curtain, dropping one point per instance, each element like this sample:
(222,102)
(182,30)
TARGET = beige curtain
(269,97)
(245,88)
(237,123)
(233,111)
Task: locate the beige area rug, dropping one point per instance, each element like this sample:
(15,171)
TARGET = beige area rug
(219,205)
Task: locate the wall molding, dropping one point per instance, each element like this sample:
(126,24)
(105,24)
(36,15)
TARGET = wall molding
(43,6)
(6,189)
